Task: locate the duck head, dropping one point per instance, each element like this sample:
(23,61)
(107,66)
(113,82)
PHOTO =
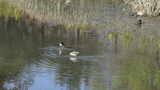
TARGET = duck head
(61,44)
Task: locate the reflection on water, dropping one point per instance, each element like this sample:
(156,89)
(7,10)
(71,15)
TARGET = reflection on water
(30,58)
(138,72)
(9,85)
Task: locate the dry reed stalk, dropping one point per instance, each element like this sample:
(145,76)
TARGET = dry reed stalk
(147,7)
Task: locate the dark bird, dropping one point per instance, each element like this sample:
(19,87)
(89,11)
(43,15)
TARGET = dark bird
(139,22)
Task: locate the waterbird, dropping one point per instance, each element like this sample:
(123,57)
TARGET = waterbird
(61,47)
(74,53)
(61,44)
(139,21)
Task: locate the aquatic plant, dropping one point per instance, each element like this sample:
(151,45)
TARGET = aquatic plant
(75,14)
(7,10)
(139,69)
(135,38)
(137,72)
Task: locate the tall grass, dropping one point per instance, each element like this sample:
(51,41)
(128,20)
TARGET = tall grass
(76,13)
(136,39)
(7,10)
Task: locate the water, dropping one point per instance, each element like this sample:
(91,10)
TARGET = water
(119,55)
(30,59)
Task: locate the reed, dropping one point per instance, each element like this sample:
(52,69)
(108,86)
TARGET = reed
(147,7)
(6,10)
(74,14)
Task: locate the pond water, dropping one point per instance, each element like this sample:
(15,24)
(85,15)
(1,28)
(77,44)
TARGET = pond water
(30,60)
(119,55)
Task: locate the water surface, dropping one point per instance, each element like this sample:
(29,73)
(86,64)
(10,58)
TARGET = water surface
(110,58)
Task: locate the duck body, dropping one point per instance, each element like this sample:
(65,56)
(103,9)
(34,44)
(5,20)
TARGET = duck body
(139,22)
(74,53)
(61,47)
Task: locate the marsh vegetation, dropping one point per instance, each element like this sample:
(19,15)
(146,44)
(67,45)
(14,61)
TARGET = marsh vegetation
(147,7)
(116,53)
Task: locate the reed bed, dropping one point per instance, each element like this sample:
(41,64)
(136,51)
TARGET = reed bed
(149,7)
(70,13)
